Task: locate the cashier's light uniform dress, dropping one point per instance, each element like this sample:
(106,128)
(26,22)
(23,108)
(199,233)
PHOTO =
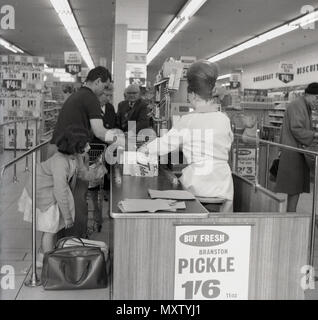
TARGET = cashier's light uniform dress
(206,139)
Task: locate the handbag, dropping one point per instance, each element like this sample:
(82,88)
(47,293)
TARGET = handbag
(274,169)
(74,267)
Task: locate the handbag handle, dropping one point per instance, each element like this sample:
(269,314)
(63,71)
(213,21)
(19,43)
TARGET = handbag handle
(63,266)
(60,243)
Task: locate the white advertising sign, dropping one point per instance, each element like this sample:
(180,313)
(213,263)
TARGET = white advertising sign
(246,162)
(286,67)
(212,262)
(72,57)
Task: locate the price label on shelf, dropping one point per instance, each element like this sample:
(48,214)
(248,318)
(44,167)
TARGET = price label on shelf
(12,84)
(212,262)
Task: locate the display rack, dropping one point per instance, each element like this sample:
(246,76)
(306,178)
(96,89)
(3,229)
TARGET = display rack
(50,112)
(21,80)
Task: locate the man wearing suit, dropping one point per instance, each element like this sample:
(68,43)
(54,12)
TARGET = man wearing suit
(132,109)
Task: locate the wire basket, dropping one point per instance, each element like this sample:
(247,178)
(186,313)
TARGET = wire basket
(97,149)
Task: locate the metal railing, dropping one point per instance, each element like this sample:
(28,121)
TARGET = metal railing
(34,281)
(15,122)
(258,142)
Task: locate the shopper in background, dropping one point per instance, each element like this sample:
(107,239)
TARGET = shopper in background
(293,175)
(134,109)
(206,138)
(55,178)
(109,121)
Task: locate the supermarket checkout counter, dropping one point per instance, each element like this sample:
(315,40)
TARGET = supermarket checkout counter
(194,254)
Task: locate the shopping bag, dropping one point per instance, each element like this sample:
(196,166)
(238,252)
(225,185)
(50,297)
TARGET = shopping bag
(74,267)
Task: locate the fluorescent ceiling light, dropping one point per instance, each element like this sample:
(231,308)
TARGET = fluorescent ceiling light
(179,21)
(306,19)
(65,13)
(10,46)
(224,76)
(276,32)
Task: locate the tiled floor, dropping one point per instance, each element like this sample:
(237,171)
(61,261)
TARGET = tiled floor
(15,244)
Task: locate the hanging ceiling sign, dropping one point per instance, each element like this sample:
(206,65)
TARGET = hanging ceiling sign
(73,62)
(136,58)
(285,72)
(138,81)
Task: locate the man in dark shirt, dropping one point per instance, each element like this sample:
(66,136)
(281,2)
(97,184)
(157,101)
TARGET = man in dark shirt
(82,109)
(133,109)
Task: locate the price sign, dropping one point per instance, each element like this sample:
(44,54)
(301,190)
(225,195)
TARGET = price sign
(12,84)
(212,262)
(138,81)
(73,68)
(72,62)
(246,162)
(285,77)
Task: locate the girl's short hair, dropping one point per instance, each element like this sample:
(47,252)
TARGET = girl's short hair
(201,77)
(73,140)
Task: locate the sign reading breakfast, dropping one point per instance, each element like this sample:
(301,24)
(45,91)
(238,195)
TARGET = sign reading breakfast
(212,262)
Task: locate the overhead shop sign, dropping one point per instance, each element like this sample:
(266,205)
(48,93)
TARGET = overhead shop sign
(138,81)
(285,72)
(212,262)
(73,62)
(136,58)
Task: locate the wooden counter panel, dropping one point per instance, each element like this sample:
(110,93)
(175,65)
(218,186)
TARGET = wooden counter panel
(144,255)
(248,198)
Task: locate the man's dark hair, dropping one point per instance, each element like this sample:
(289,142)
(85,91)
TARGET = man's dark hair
(99,72)
(73,140)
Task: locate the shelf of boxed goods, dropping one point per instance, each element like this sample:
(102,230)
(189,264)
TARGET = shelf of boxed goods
(50,112)
(276,117)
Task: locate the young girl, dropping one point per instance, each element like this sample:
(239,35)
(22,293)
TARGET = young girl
(55,178)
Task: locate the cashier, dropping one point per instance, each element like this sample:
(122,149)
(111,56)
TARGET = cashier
(206,137)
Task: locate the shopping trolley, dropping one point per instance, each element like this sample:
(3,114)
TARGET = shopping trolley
(95,188)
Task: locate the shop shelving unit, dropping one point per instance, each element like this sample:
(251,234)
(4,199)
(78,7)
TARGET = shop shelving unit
(21,82)
(161,110)
(50,112)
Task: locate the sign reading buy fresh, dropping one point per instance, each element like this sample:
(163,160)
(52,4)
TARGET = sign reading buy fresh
(212,262)
(73,61)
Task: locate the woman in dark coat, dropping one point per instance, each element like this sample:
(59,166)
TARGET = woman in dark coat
(293,175)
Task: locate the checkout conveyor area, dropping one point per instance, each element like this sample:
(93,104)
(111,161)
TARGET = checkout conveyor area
(256,252)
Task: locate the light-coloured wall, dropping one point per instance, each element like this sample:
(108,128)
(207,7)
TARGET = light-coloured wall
(307,56)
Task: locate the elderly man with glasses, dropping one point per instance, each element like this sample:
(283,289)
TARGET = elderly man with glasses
(293,177)
(134,110)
